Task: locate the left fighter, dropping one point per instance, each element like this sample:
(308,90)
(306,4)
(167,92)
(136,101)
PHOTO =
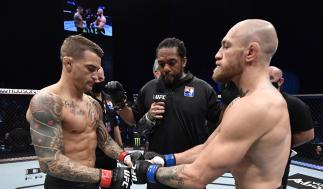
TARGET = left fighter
(66,124)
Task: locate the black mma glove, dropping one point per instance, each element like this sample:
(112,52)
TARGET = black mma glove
(133,157)
(119,178)
(117,93)
(143,172)
(167,160)
(136,156)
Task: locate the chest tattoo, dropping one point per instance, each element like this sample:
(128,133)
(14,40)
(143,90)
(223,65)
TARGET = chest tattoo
(87,111)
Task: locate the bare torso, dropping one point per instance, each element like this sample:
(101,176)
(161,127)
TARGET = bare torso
(264,163)
(79,132)
(78,127)
(252,142)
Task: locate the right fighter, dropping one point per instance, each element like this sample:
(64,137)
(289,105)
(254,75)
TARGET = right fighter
(66,124)
(253,139)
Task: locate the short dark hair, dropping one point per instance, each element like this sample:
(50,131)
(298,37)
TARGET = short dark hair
(75,45)
(173,42)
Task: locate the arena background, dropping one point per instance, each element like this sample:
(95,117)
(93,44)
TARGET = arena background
(32,32)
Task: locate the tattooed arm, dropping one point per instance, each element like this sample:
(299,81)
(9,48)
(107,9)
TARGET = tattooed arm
(105,141)
(47,137)
(195,168)
(196,175)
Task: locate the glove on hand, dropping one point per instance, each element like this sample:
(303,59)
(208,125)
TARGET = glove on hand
(136,155)
(126,158)
(117,94)
(167,160)
(143,172)
(119,178)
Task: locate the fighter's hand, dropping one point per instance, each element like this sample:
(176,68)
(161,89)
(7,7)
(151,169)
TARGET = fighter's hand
(156,111)
(130,158)
(119,178)
(143,172)
(127,161)
(167,160)
(117,93)
(125,158)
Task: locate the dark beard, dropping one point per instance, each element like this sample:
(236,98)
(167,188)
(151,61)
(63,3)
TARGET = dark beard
(226,76)
(222,78)
(169,83)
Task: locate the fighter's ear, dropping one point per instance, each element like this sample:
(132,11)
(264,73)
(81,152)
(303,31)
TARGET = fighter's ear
(281,81)
(252,51)
(67,62)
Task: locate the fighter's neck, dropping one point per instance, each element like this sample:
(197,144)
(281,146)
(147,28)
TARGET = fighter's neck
(250,80)
(70,91)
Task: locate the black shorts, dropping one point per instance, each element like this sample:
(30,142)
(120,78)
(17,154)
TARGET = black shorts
(57,183)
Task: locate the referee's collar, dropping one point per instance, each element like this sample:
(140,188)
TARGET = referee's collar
(189,76)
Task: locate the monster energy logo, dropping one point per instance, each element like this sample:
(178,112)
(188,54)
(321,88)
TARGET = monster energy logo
(137,141)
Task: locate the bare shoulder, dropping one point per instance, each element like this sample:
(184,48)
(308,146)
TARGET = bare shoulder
(253,112)
(269,101)
(247,106)
(261,101)
(93,101)
(97,106)
(46,102)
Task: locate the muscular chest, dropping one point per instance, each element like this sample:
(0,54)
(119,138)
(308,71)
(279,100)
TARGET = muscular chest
(79,117)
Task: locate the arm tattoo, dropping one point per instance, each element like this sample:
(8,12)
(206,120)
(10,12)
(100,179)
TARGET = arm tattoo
(171,176)
(47,138)
(105,142)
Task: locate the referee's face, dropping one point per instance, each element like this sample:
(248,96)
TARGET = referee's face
(171,64)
